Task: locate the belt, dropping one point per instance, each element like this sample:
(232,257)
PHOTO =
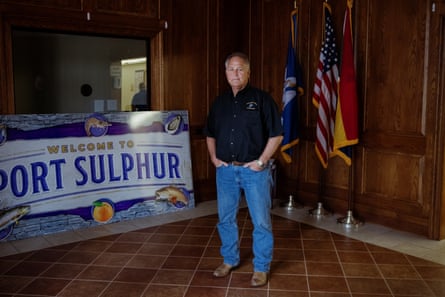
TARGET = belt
(236,163)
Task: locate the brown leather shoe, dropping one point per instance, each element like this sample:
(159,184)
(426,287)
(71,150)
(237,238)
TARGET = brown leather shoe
(223,270)
(258,279)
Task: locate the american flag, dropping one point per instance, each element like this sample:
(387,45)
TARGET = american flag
(325,91)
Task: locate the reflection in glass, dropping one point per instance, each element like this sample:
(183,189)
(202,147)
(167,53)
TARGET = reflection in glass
(65,73)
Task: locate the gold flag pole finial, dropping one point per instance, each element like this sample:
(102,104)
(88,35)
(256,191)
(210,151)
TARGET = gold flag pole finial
(295,4)
(350,3)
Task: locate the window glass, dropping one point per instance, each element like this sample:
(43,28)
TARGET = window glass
(67,73)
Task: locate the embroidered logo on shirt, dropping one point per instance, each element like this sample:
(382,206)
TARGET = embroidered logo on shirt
(251,105)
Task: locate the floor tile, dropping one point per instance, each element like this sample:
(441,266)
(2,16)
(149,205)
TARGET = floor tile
(324,269)
(288,282)
(155,290)
(66,271)
(112,259)
(99,273)
(84,288)
(327,284)
(368,285)
(173,277)
(45,286)
(205,292)
(146,261)
(12,284)
(28,268)
(119,289)
(135,275)
(175,262)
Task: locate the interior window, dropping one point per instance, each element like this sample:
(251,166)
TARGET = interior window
(67,73)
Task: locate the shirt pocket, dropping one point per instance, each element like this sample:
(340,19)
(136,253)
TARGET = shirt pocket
(252,116)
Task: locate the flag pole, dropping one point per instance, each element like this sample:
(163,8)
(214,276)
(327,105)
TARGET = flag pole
(349,220)
(320,211)
(292,90)
(347,96)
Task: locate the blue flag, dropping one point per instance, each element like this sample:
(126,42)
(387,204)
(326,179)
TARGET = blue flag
(293,88)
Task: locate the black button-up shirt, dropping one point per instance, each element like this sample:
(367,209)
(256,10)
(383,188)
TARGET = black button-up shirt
(242,125)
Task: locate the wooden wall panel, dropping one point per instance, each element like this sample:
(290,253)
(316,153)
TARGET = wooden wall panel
(271,32)
(190,77)
(403,171)
(187,65)
(234,31)
(65,4)
(148,8)
(395,125)
(395,66)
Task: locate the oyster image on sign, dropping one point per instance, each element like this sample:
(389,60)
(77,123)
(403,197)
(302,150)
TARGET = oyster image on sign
(173,124)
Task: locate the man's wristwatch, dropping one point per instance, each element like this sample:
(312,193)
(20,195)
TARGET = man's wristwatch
(260,163)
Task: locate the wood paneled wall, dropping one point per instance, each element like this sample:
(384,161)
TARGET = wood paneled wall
(397,171)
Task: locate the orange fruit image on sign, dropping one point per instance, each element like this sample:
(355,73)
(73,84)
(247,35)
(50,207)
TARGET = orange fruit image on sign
(102,211)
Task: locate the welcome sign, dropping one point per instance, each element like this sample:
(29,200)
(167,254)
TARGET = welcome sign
(61,172)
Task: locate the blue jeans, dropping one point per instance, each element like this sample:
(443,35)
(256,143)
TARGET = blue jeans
(230,181)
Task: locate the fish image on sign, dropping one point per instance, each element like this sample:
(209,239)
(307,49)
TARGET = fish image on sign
(173,195)
(10,217)
(96,125)
(3,134)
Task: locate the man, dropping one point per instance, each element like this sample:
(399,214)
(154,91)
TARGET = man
(243,131)
(139,100)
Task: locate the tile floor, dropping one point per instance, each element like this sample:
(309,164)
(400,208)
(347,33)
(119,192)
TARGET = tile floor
(174,255)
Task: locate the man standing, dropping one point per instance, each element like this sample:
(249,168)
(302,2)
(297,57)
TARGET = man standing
(139,100)
(243,131)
